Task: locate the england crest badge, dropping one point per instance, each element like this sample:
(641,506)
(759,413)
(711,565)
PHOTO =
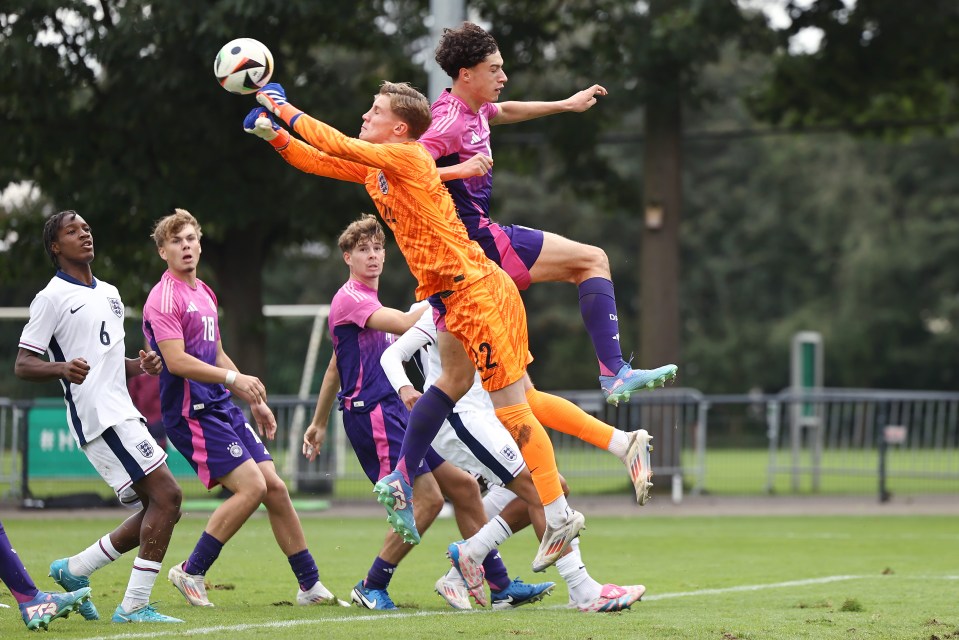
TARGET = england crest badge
(146,449)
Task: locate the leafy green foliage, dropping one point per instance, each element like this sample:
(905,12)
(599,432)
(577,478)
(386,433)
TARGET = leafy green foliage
(852,238)
(118,115)
(882,64)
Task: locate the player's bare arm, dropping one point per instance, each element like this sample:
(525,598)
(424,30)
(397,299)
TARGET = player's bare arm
(393,321)
(182,364)
(315,434)
(262,414)
(265,420)
(409,395)
(30,366)
(148,362)
(513,111)
(250,388)
(478,165)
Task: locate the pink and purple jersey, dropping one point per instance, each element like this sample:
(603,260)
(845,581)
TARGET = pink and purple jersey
(363,384)
(456,134)
(176,311)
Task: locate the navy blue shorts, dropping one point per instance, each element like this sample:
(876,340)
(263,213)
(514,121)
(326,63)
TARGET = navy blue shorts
(217,441)
(376,436)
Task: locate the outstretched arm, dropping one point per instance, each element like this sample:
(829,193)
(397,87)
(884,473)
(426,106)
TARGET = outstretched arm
(308,159)
(517,111)
(478,165)
(389,320)
(322,136)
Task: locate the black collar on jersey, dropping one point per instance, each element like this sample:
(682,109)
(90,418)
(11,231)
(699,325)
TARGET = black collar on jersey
(73,280)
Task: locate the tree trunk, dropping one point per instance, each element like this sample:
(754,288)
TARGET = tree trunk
(238,263)
(659,250)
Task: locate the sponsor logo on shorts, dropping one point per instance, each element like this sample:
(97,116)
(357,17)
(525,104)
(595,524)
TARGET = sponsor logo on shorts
(199,406)
(235,449)
(508,453)
(116,307)
(145,449)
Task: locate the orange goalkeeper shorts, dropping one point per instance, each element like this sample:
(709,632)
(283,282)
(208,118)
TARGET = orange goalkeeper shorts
(489,319)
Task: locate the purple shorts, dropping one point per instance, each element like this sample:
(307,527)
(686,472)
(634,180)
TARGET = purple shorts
(217,441)
(513,247)
(377,435)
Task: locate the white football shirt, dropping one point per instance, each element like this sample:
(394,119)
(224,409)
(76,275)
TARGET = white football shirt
(68,320)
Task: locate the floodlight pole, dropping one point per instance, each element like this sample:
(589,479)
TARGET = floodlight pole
(445,13)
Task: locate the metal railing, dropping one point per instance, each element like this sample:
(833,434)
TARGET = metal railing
(830,441)
(836,436)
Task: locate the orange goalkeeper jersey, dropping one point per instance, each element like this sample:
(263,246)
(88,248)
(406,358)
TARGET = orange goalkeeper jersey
(405,186)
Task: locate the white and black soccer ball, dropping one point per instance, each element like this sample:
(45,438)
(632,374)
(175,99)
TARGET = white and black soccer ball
(243,66)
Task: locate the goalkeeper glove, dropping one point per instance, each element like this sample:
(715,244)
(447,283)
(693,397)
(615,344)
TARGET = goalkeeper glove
(273,97)
(260,123)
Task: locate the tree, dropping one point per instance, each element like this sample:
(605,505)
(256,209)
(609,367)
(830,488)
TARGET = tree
(117,115)
(649,58)
(882,65)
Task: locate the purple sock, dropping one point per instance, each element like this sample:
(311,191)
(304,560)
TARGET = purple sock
(496,574)
(204,555)
(380,573)
(304,568)
(13,573)
(426,418)
(597,304)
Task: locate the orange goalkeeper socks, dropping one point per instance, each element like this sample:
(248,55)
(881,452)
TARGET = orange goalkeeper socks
(564,416)
(537,450)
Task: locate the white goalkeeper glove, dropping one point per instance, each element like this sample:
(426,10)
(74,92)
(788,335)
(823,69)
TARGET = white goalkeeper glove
(260,123)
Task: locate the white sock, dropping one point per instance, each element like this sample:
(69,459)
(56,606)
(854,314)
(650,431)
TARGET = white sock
(496,500)
(557,512)
(618,444)
(142,578)
(582,587)
(491,535)
(96,556)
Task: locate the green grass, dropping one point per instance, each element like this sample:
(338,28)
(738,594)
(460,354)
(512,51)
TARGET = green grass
(707,577)
(728,472)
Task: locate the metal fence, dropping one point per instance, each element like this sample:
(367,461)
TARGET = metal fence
(821,440)
(834,441)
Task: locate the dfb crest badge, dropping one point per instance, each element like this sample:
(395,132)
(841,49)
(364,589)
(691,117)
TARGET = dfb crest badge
(146,449)
(116,307)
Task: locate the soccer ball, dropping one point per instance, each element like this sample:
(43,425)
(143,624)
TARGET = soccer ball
(243,66)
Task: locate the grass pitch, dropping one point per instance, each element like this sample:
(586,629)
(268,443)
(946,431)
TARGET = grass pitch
(725,578)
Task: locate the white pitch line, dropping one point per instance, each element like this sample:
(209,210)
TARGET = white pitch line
(752,587)
(177,630)
(180,631)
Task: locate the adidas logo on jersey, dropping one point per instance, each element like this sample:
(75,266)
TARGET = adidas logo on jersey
(191,308)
